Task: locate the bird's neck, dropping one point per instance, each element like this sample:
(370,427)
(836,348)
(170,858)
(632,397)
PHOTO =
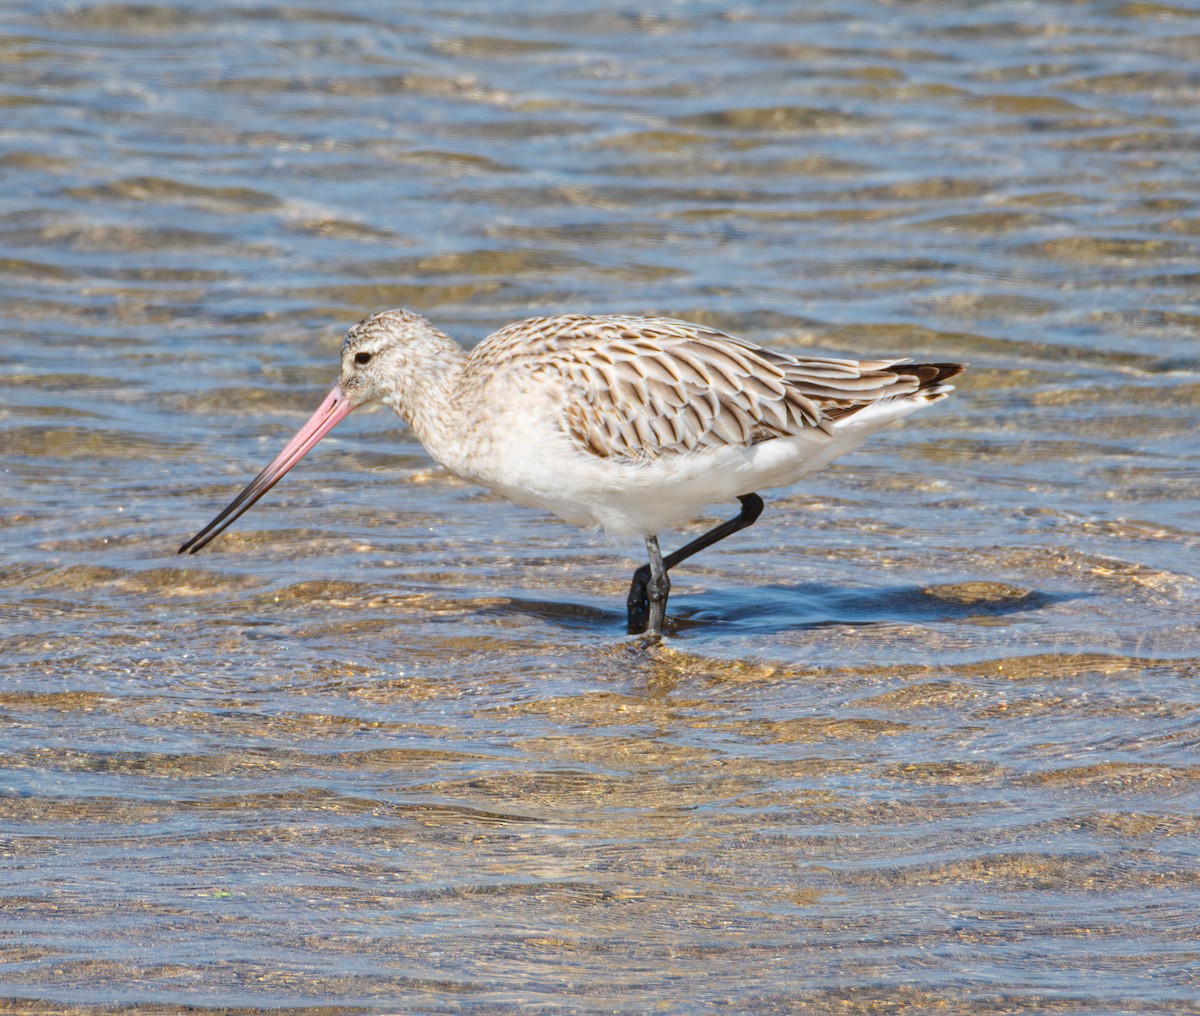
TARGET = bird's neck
(427,394)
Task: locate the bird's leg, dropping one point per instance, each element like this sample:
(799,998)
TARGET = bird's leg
(638,602)
(657,589)
(640,596)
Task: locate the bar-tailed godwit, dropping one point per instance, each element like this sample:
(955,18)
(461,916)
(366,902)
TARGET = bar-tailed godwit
(631,424)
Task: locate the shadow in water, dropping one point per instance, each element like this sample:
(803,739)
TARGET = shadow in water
(579,616)
(767,609)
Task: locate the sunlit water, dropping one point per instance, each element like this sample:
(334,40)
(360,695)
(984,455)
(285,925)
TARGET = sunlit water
(924,738)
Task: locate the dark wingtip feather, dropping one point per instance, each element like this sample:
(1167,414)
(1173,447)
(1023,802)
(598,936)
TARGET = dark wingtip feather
(931,374)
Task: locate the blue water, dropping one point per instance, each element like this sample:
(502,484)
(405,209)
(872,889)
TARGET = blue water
(922,739)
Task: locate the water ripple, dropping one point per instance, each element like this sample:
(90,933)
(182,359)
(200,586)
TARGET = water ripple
(923,739)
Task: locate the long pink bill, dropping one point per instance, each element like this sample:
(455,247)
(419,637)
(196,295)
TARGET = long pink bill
(332,411)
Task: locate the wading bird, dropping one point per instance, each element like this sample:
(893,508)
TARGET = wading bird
(631,424)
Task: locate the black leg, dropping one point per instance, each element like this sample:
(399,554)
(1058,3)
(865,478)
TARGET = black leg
(638,602)
(640,594)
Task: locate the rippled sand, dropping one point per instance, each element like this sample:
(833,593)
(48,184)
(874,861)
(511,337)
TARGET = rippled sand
(924,739)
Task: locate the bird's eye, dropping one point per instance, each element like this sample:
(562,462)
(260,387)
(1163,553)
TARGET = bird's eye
(362,357)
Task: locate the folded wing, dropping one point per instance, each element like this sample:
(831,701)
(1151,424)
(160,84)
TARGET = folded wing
(644,388)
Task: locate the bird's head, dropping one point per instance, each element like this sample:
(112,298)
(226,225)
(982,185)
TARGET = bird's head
(386,356)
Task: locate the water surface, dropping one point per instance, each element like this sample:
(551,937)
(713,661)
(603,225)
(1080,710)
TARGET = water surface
(924,738)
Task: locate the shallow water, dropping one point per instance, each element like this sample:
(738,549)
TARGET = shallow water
(924,738)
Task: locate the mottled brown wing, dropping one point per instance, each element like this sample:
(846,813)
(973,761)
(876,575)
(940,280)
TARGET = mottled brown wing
(642,388)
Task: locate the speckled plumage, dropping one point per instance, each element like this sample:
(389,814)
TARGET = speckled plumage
(640,388)
(628,423)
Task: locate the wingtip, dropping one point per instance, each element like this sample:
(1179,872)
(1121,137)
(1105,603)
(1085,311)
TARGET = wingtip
(931,375)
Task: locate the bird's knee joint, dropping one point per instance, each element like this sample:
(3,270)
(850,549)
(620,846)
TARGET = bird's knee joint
(658,588)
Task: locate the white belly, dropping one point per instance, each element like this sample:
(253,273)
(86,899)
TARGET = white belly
(526,456)
(545,470)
